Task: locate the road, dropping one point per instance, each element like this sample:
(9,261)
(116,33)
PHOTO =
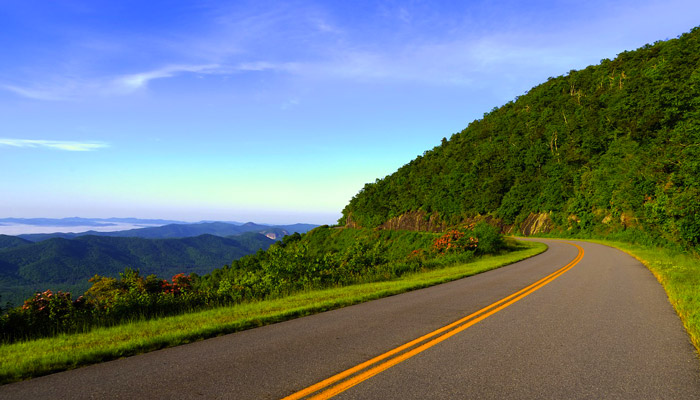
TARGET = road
(603,328)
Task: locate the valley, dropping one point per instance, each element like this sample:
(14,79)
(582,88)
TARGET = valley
(65,261)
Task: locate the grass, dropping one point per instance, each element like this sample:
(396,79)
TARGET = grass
(33,358)
(679,274)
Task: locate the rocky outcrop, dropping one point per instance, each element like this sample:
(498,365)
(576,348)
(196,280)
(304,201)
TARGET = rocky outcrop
(421,221)
(350,223)
(536,223)
(415,221)
(275,235)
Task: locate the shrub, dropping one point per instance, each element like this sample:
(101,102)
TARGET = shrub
(490,240)
(456,241)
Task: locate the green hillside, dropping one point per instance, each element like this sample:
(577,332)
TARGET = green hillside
(611,148)
(7,241)
(64,263)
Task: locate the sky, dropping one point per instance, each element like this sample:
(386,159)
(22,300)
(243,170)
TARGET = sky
(265,111)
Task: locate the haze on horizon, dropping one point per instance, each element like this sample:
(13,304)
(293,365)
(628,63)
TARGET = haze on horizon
(273,112)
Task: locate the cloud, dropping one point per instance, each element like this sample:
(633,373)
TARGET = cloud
(293,102)
(69,88)
(53,144)
(51,94)
(73,89)
(260,66)
(316,44)
(135,81)
(132,82)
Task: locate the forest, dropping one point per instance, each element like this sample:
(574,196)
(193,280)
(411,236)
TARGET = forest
(611,150)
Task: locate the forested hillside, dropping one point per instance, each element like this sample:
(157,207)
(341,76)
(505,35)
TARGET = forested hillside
(67,264)
(7,242)
(609,148)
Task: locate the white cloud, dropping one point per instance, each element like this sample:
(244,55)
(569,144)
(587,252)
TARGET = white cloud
(314,44)
(53,144)
(235,38)
(261,66)
(37,93)
(135,81)
(73,89)
(290,103)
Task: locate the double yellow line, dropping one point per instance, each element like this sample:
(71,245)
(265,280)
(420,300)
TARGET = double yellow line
(362,372)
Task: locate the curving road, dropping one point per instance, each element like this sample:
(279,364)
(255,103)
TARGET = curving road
(601,327)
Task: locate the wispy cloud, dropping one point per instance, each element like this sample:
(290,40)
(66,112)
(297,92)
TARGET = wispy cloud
(53,144)
(70,88)
(315,44)
(135,81)
(73,89)
(51,94)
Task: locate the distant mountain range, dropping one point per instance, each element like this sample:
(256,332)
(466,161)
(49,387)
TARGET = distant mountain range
(183,230)
(65,261)
(67,264)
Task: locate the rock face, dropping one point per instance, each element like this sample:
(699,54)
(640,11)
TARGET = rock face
(536,223)
(421,221)
(415,221)
(275,235)
(350,223)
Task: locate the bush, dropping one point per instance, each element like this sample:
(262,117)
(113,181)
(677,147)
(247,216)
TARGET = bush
(490,240)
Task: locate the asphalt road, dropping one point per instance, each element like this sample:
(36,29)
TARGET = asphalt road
(603,329)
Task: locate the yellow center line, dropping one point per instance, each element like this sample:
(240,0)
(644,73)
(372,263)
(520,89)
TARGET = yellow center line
(471,318)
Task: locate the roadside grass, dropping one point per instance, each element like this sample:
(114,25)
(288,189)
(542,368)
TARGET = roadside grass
(34,358)
(679,274)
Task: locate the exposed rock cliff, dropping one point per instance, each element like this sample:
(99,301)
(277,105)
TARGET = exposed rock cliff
(534,224)
(415,221)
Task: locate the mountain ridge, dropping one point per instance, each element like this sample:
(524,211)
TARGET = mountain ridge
(60,263)
(223,229)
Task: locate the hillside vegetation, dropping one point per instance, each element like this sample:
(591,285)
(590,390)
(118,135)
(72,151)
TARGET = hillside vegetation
(325,257)
(611,149)
(67,264)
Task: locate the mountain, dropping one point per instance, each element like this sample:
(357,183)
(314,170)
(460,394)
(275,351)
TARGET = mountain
(60,263)
(7,241)
(223,229)
(611,149)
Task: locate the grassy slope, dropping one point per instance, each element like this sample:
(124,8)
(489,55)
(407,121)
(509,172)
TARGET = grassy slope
(40,357)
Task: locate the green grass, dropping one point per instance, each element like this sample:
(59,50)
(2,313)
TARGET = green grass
(24,360)
(679,274)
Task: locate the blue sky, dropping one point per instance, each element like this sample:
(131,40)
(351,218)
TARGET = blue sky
(274,112)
